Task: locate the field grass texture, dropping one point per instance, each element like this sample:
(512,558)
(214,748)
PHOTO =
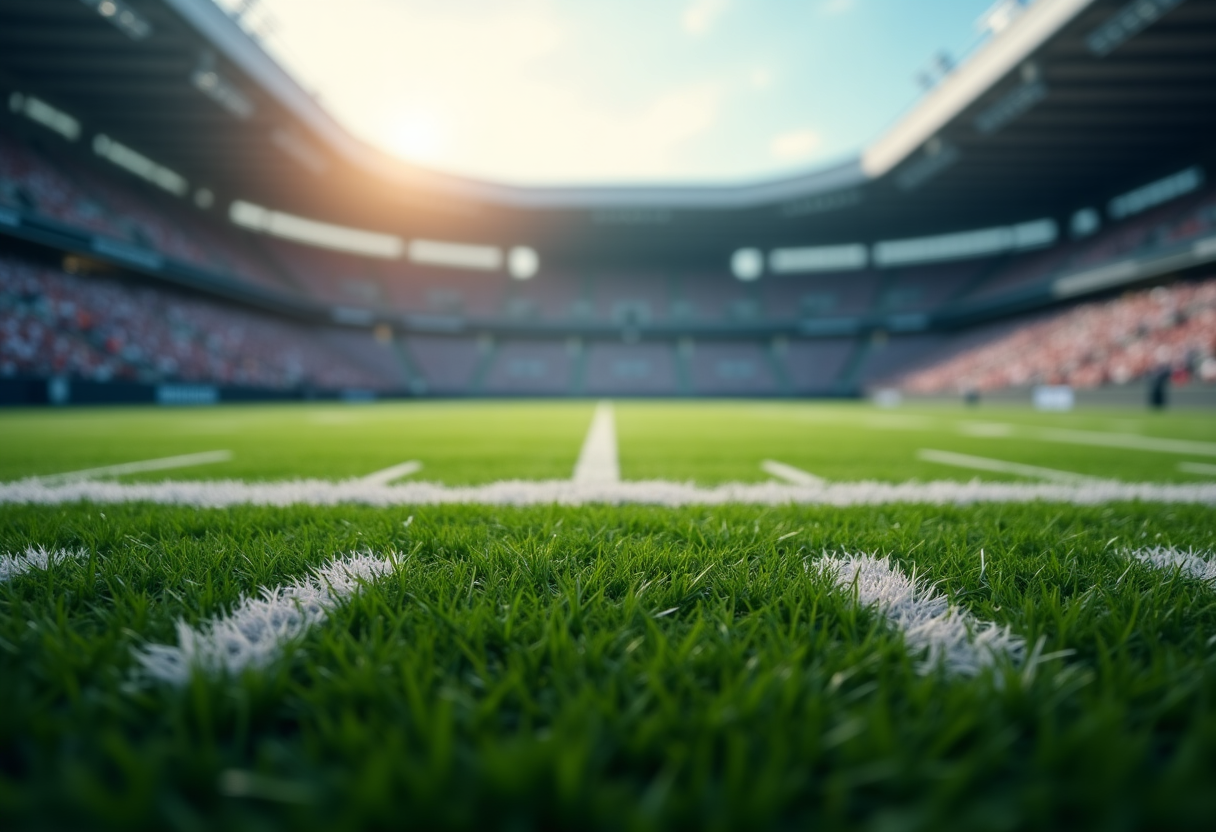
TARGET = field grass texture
(604,668)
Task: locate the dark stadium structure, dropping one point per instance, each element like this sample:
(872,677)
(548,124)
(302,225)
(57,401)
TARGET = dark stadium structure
(181,221)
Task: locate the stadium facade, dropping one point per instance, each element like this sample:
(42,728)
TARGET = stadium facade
(180,219)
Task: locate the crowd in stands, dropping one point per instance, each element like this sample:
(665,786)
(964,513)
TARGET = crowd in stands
(100,329)
(1164,329)
(62,189)
(1159,229)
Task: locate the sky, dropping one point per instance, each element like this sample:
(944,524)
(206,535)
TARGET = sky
(543,92)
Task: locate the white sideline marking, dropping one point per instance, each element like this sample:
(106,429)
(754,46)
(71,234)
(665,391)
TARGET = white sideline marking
(950,637)
(312,492)
(162,464)
(395,472)
(32,558)
(1197,468)
(983,463)
(597,462)
(790,474)
(254,633)
(1172,560)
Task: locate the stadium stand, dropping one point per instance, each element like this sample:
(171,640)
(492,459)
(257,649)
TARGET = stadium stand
(814,366)
(1106,342)
(445,364)
(100,329)
(791,297)
(732,368)
(631,369)
(531,367)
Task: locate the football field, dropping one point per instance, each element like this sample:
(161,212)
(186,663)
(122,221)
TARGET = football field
(640,615)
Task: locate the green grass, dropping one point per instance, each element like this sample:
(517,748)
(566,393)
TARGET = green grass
(514,673)
(518,672)
(477,442)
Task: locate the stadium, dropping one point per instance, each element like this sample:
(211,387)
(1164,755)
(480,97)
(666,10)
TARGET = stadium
(342,490)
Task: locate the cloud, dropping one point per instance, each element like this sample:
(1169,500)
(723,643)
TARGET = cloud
(795,145)
(833,8)
(701,15)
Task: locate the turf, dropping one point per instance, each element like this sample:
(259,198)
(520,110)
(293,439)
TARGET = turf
(609,668)
(706,442)
(606,667)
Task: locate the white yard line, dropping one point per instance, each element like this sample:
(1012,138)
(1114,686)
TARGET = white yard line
(1176,560)
(791,474)
(222,493)
(1125,441)
(597,462)
(161,464)
(254,634)
(395,472)
(949,637)
(1000,466)
(34,557)
(1197,468)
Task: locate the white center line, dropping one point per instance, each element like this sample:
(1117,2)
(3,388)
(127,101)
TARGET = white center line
(597,462)
(390,474)
(1197,468)
(789,473)
(1000,466)
(948,636)
(161,464)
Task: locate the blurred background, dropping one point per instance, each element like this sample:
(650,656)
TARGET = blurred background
(227,200)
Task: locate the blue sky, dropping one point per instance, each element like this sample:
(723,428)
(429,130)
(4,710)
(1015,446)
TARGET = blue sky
(616,91)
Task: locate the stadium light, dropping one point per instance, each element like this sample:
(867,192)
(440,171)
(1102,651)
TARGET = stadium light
(207,80)
(1155,193)
(455,255)
(1085,222)
(314,232)
(747,264)
(1126,23)
(523,262)
(124,18)
(818,259)
(966,244)
(35,109)
(140,165)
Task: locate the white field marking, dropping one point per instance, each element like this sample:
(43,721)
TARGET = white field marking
(1126,441)
(254,634)
(1197,468)
(949,637)
(34,557)
(1000,466)
(985,429)
(396,472)
(313,492)
(597,461)
(162,464)
(1175,560)
(790,474)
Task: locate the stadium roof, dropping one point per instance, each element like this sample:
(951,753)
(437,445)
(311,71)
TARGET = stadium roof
(1073,103)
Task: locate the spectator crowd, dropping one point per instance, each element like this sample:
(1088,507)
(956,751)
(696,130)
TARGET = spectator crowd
(99,329)
(1105,342)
